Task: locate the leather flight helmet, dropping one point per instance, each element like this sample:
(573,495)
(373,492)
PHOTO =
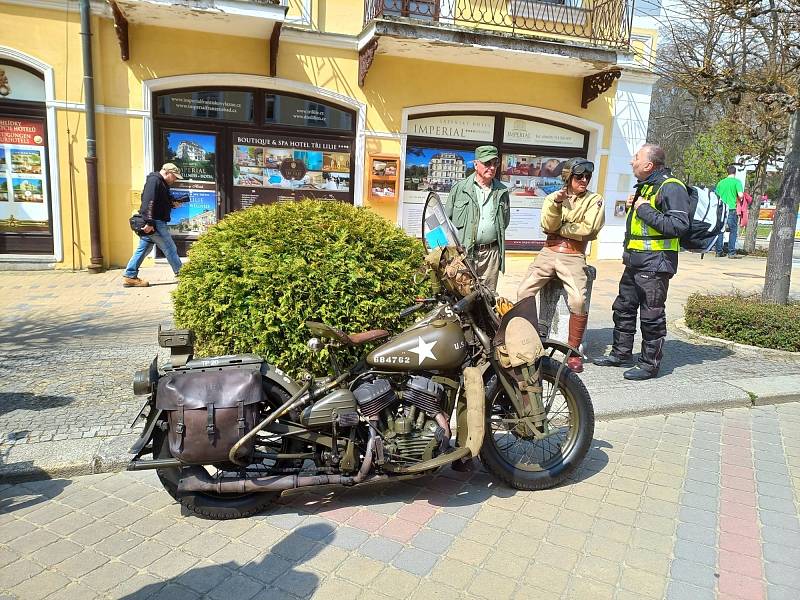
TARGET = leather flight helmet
(576,166)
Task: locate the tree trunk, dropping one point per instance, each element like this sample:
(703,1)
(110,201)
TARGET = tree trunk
(779,262)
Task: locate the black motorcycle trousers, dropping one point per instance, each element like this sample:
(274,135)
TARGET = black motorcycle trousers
(644,292)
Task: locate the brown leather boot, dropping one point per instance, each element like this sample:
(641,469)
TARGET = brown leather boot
(577,326)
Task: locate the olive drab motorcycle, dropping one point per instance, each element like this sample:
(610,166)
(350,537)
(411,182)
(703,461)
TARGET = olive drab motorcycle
(470,378)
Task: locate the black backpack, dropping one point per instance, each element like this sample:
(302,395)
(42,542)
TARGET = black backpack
(707,215)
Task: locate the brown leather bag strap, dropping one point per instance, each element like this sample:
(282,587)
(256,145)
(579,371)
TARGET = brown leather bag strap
(181,426)
(241,418)
(210,428)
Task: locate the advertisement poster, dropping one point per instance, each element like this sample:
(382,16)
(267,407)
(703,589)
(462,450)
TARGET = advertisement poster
(195,154)
(430,170)
(273,168)
(197,210)
(23,185)
(529,179)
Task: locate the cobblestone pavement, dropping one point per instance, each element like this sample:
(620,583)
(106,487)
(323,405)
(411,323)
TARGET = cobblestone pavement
(69,343)
(685,506)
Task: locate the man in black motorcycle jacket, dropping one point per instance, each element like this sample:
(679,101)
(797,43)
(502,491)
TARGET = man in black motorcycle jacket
(658,215)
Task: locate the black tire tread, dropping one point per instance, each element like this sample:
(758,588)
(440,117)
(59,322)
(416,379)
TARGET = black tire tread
(534,481)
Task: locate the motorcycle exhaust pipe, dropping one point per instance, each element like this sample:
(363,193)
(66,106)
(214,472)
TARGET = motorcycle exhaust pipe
(198,479)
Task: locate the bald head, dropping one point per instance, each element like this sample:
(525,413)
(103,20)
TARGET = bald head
(648,159)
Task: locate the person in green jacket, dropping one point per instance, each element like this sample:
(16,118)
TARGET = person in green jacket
(730,191)
(479,208)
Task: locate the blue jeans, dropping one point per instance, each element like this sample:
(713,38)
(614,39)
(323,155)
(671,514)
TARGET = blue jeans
(162,238)
(733,228)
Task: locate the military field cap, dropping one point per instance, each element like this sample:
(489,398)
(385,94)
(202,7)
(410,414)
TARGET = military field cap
(485,153)
(172,168)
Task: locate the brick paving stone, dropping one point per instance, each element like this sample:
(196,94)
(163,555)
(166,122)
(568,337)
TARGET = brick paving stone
(360,569)
(40,585)
(491,585)
(454,573)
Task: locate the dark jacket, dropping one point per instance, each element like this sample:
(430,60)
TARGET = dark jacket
(156,201)
(671,218)
(463,210)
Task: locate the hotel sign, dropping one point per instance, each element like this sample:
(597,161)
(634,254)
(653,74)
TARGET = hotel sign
(479,128)
(535,133)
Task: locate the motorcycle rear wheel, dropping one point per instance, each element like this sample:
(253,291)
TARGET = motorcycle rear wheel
(208,506)
(528,464)
(214,506)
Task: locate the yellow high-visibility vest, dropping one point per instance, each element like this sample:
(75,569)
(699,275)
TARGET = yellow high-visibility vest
(639,235)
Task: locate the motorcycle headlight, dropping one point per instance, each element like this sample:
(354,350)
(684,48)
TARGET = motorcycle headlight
(145,379)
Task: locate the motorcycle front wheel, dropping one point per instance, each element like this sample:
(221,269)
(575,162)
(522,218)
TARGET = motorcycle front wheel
(526,463)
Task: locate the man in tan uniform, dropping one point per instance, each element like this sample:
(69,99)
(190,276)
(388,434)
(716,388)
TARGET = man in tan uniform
(571,217)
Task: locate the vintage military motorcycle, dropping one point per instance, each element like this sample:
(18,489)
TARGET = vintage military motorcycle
(227,434)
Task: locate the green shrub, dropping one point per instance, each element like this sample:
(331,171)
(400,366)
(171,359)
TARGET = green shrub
(255,278)
(746,319)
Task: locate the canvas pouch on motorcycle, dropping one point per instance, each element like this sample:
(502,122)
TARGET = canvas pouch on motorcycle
(209,411)
(517,341)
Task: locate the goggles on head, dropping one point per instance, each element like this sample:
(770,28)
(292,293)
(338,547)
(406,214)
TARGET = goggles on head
(583,167)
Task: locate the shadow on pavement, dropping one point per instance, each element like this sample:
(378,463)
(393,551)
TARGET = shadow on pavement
(596,460)
(226,578)
(26,401)
(33,332)
(24,495)
(677,352)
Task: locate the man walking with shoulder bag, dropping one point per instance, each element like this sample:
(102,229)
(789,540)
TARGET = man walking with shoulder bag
(157,205)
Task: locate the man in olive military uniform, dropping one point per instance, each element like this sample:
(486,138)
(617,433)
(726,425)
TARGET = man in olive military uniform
(479,208)
(571,217)
(658,215)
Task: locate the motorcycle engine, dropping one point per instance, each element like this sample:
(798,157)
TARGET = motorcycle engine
(406,414)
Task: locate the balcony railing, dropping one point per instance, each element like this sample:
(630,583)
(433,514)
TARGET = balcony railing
(596,22)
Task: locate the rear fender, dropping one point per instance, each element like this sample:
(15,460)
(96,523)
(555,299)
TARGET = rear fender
(278,377)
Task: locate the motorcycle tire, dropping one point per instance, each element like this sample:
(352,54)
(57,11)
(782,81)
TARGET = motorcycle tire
(527,469)
(212,506)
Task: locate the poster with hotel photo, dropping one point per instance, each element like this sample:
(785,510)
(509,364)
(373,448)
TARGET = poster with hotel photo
(195,154)
(26,161)
(3,189)
(196,215)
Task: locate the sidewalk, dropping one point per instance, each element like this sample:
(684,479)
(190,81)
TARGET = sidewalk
(689,506)
(69,343)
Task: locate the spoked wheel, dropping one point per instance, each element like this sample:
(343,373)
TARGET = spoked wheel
(514,456)
(218,506)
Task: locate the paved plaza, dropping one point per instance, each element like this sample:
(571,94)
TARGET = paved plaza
(690,490)
(685,506)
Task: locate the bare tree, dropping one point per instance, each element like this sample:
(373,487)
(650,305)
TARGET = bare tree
(744,57)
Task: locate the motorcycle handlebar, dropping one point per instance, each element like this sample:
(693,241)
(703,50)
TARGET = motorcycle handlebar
(465,303)
(410,310)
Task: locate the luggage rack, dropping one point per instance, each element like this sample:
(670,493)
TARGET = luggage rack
(180,343)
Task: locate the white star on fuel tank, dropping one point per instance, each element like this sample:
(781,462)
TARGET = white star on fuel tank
(424,350)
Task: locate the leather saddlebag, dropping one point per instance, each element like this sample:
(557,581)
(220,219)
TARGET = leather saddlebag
(209,411)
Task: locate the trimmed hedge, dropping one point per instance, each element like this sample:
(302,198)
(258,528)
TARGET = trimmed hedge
(255,278)
(746,319)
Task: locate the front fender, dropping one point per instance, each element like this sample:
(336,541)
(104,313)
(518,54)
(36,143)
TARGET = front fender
(566,349)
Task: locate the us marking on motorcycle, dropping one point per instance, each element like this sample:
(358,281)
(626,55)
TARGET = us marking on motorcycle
(424,350)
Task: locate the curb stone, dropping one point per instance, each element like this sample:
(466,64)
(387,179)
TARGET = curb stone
(680,326)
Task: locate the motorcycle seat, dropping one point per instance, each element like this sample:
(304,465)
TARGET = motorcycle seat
(367,336)
(353,339)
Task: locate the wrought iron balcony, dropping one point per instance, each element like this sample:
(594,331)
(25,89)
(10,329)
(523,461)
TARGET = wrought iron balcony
(600,23)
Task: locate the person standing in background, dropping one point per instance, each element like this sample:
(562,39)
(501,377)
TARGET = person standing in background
(731,191)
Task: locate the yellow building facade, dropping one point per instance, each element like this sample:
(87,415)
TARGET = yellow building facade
(374,102)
